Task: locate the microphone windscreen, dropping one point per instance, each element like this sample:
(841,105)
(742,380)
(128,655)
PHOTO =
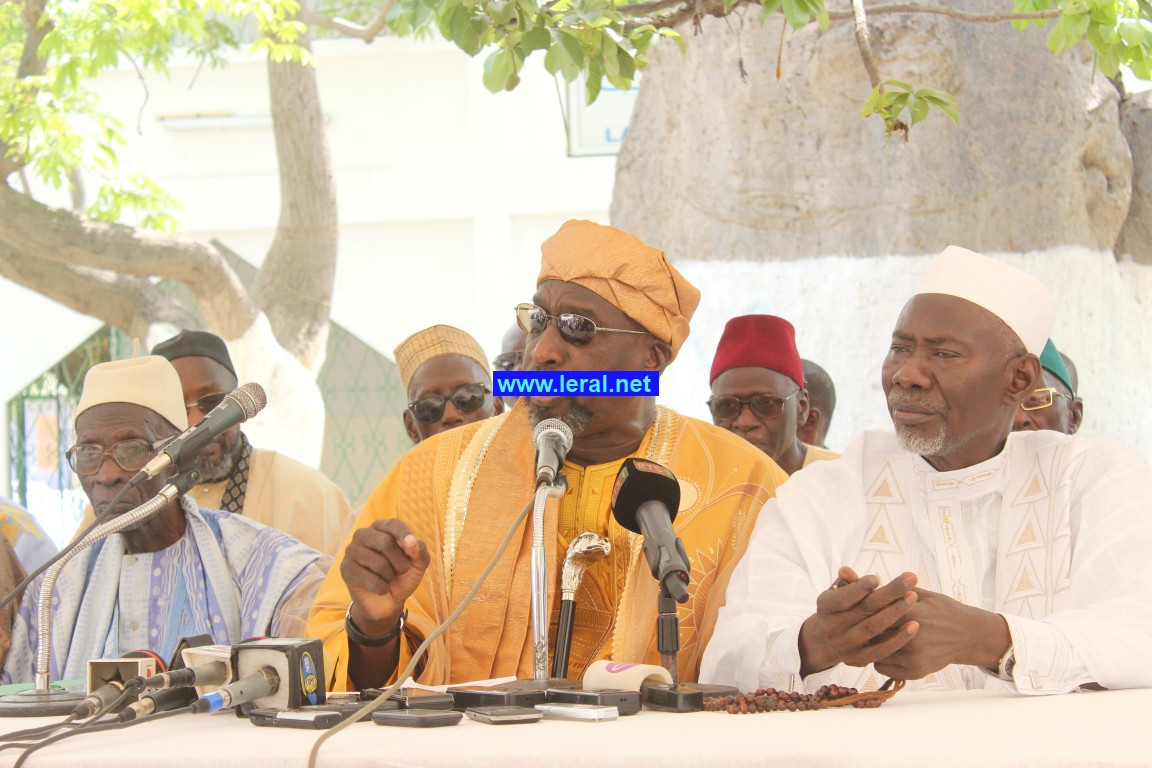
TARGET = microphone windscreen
(638,482)
(554,425)
(250,397)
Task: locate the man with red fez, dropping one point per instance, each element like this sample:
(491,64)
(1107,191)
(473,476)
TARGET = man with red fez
(758,389)
(604,302)
(952,552)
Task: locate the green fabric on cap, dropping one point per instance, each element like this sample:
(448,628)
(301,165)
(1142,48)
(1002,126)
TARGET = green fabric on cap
(1052,362)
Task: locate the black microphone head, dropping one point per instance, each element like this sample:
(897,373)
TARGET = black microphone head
(638,482)
(250,397)
(553,425)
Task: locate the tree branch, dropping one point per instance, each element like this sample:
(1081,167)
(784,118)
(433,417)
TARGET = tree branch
(367,33)
(648,13)
(31,65)
(637,9)
(129,303)
(864,43)
(295,284)
(62,237)
(977,18)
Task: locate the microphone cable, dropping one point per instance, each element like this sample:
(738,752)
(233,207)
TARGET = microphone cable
(19,588)
(100,520)
(423,648)
(131,687)
(90,727)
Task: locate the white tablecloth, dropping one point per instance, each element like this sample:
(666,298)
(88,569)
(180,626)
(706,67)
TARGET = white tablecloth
(973,729)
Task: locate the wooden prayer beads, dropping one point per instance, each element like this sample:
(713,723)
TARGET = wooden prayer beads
(772,700)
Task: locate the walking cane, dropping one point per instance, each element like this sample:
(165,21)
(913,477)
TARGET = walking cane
(583,552)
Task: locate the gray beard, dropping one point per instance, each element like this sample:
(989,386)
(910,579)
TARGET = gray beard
(577,418)
(214,471)
(923,445)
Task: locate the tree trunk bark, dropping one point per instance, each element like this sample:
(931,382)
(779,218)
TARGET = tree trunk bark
(294,287)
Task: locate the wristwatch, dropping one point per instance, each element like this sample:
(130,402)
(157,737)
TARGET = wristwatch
(1007,665)
(358,637)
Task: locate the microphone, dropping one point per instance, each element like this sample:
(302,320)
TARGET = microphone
(162,700)
(238,406)
(109,679)
(212,673)
(553,439)
(98,700)
(264,682)
(645,500)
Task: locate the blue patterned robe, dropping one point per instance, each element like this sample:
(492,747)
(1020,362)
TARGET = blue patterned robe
(227,576)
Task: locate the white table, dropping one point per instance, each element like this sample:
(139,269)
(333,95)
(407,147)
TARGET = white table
(972,729)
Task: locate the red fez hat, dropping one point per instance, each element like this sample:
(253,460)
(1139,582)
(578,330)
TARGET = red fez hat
(759,341)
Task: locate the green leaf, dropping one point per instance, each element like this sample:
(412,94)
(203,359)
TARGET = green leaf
(676,36)
(536,39)
(627,66)
(454,25)
(501,11)
(1109,62)
(592,83)
(572,48)
(472,40)
(497,70)
(1067,31)
(796,12)
(608,57)
(917,109)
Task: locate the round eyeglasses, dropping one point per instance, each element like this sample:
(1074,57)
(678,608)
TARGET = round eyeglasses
(130,455)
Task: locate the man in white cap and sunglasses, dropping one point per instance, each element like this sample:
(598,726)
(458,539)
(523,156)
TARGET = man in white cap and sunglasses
(953,552)
(446,378)
(183,572)
(604,302)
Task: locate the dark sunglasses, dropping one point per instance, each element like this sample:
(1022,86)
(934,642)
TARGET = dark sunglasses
(507,361)
(762,406)
(466,399)
(574,329)
(131,455)
(207,403)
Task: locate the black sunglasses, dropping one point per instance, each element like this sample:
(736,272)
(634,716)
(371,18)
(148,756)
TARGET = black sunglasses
(762,406)
(508,361)
(574,329)
(206,404)
(467,398)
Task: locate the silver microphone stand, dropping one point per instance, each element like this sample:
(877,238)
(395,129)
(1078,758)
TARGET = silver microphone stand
(540,577)
(44,700)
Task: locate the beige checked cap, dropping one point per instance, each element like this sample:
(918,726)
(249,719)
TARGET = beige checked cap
(432,342)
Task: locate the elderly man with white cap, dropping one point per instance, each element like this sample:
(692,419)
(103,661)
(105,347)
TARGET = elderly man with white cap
(183,572)
(986,558)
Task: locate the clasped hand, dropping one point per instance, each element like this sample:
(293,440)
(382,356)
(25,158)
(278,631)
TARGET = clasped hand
(907,633)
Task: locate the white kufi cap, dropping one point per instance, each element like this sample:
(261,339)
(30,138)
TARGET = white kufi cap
(1019,299)
(150,381)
